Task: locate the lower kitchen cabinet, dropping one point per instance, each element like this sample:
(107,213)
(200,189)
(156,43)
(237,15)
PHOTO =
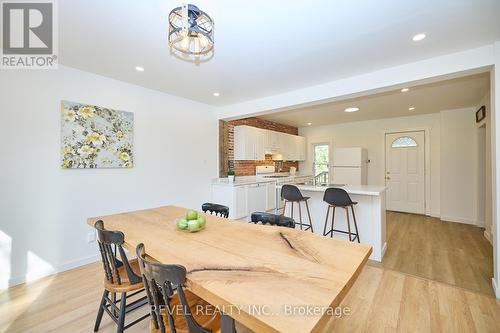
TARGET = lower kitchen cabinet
(243,200)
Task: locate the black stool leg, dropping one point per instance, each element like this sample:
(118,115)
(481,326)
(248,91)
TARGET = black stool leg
(348,223)
(309,216)
(300,215)
(284,209)
(291,202)
(333,221)
(121,318)
(101,311)
(326,220)
(355,223)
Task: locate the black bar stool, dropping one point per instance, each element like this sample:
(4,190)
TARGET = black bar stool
(337,197)
(291,193)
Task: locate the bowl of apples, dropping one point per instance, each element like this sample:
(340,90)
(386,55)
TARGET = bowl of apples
(191,222)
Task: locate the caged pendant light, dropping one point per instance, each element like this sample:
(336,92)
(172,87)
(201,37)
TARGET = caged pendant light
(191,33)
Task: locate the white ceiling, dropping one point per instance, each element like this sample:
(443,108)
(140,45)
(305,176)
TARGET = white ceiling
(265,47)
(430,98)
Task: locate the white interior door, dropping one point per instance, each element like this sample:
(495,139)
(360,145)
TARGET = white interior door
(405,171)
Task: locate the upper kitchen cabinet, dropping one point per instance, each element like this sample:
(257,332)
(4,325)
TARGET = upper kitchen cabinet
(249,143)
(293,147)
(271,142)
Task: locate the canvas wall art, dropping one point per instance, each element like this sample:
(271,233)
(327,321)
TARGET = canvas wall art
(96,137)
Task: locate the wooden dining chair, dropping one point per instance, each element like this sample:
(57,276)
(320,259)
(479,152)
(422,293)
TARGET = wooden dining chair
(121,276)
(218,210)
(174,308)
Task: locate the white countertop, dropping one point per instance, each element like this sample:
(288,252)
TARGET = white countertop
(373,190)
(248,180)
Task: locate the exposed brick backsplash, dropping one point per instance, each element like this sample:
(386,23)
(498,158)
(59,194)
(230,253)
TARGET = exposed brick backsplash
(226,146)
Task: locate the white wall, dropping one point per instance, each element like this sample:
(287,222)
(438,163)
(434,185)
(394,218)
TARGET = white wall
(44,208)
(371,135)
(459,176)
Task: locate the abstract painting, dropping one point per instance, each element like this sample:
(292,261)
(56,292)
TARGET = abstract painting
(96,137)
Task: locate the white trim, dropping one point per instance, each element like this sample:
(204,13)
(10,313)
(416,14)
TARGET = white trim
(458,220)
(495,288)
(427,161)
(384,248)
(61,268)
(487,235)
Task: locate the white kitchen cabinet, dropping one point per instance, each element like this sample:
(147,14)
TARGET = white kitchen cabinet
(256,198)
(248,143)
(270,196)
(251,143)
(271,142)
(234,197)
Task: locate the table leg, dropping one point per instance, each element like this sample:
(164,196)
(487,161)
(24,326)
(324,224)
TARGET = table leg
(227,324)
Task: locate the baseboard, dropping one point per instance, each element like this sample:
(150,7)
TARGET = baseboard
(495,288)
(487,235)
(384,248)
(458,220)
(60,268)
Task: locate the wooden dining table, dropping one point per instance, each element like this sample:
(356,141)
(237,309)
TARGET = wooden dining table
(270,279)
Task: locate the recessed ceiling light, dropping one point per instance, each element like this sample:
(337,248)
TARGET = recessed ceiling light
(216,94)
(405,89)
(309,124)
(411,108)
(139,68)
(419,37)
(352,109)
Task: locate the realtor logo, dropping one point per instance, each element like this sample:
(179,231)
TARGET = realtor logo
(29,36)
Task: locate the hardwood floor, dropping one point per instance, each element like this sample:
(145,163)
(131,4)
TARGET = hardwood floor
(381,300)
(447,252)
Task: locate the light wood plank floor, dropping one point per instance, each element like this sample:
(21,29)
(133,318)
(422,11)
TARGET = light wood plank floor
(381,300)
(448,252)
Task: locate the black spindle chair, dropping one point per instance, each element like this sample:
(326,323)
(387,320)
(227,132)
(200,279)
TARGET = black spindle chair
(121,277)
(272,219)
(218,210)
(174,309)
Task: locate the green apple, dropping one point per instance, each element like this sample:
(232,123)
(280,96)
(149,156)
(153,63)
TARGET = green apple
(193,225)
(191,215)
(182,223)
(202,221)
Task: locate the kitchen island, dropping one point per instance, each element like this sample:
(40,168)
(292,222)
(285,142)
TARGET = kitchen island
(370,214)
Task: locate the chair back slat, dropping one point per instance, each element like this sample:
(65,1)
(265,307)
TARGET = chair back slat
(160,281)
(215,209)
(110,245)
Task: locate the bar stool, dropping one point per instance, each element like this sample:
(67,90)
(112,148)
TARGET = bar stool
(337,197)
(292,194)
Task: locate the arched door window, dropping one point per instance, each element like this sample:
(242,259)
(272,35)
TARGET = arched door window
(403,142)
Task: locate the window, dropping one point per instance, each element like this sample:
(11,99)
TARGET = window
(321,159)
(404,141)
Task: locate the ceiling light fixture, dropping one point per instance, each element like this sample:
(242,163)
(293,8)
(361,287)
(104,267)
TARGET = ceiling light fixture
(139,68)
(216,94)
(309,124)
(405,89)
(419,37)
(411,108)
(352,109)
(191,33)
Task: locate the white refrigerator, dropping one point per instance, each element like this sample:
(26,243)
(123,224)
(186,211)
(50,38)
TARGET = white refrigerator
(350,166)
